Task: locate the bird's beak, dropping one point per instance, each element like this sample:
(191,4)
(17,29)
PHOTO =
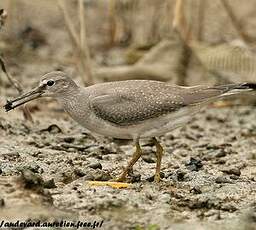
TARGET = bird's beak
(26,97)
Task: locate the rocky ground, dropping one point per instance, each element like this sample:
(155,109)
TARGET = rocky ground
(209,174)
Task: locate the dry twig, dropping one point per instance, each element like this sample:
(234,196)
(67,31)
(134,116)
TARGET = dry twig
(68,23)
(179,21)
(184,31)
(237,25)
(201,16)
(18,87)
(85,54)
(112,22)
(3,16)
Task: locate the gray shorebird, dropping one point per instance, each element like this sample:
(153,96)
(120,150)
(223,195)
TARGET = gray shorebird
(130,109)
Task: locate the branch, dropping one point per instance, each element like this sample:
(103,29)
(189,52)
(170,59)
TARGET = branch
(201,17)
(237,25)
(18,87)
(84,49)
(68,23)
(3,16)
(179,21)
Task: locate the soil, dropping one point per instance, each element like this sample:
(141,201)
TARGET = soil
(209,174)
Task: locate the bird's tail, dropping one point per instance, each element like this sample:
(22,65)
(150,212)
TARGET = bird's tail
(203,94)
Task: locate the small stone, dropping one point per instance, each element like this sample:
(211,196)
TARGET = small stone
(194,164)
(234,171)
(151,179)
(220,153)
(198,203)
(31,180)
(69,139)
(49,184)
(102,176)
(222,179)
(234,177)
(180,175)
(2,203)
(228,207)
(89,176)
(211,212)
(96,165)
(220,161)
(79,172)
(54,129)
(149,196)
(214,147)
(196,190)
(148,159)
(105,151)
(135,178)
(165,198)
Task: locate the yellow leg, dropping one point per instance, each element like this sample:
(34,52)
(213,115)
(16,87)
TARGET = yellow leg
(135,157)
(159,154)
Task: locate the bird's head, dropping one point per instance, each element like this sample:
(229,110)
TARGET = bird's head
(54,84)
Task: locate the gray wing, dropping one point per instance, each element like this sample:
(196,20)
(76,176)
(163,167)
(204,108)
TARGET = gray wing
(125,104)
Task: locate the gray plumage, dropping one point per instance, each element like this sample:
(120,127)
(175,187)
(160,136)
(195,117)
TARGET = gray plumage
(131,109)
(131,102)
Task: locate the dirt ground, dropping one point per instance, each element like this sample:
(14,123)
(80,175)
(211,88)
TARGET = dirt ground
(209,173)
(208,169)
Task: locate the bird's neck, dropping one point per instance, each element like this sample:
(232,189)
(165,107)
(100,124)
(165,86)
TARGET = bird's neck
(75,102)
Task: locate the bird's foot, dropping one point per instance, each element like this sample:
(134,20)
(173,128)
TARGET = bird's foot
(157,178)
(121,178)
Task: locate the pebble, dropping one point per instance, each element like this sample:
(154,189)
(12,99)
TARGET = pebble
(196,190)
(194,164)
(228,207)
(177,175)
(31,180)
(165,198)
(68,139)
(234,171)
(49,184)
(135,178)
(79,172)
(100,175)
(220,153)
(2,202)
(54,129)
(222,179)
(148,159)
(96,165)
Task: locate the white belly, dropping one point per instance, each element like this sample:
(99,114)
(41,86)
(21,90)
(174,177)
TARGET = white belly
(149,128)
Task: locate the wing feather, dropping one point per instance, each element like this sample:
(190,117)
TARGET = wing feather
(131,102)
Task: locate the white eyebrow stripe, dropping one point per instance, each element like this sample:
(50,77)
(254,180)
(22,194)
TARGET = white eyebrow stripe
(44,82)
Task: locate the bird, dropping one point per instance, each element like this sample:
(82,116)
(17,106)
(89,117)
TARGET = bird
(131,109)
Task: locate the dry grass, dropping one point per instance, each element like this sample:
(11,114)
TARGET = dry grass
(79,41)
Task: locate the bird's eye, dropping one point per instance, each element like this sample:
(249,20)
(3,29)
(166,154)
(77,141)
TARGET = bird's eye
(50,83)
